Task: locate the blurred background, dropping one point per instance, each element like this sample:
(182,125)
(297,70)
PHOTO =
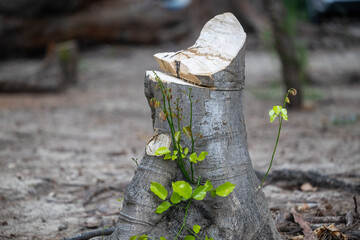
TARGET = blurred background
(74,119)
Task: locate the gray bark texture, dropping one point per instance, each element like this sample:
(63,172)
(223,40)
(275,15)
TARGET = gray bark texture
(285,46)
(218,116)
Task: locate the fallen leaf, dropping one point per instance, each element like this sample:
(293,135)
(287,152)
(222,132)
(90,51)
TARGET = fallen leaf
(329,233)
(307,187)
(303,208)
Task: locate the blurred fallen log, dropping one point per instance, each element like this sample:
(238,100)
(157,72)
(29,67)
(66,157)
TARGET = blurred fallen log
(57,71)
(97,21)
(295,178)
(325,219)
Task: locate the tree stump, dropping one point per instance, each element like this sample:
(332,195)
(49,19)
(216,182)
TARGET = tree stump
(214,70)
(56,72)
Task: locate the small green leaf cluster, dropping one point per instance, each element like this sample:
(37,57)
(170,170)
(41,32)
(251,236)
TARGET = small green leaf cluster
(193,157)
(276,111)
(182,191)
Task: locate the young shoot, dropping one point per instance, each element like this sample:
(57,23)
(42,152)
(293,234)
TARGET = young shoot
(281,113)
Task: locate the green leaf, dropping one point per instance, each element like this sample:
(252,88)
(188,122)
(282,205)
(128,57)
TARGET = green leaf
(202,156)
(208,185)
(143,237)
(183,156)
(284,114)
(177,136)
(271,112)
(162,238)
(272,117)
(182,188)
(167,156)
(186,151)
(196,229)
(164,206)
(287,100)
(162,151)
(173,157)
(213,193)
(193,157)
(187,131)
(133,238)
(225,189)
(189,237)
(175,198)
(159,190)
(206,238)
(285,117)
(199,193)
(277,109)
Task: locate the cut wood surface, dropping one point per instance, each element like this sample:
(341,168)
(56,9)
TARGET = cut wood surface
(214,52)
(217,115)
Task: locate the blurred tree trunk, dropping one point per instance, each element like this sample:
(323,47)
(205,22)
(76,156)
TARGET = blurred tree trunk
(248,13)
(285,47)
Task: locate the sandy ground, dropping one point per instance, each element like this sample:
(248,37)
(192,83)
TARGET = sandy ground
(57,149)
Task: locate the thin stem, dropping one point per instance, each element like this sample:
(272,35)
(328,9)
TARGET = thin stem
(172,129)
(187,208)
(272,157)
(184,221)
(178,113)
(191,134)
(277,141)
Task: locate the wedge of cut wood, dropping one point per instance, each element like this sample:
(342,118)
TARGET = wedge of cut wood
(217,50)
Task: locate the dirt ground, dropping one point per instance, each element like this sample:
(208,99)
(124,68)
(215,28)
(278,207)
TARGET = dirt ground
(65,158)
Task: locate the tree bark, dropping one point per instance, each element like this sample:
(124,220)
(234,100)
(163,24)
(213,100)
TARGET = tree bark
(217,115)
(285,47)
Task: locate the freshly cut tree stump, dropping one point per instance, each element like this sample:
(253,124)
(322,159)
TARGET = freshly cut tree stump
(218,116)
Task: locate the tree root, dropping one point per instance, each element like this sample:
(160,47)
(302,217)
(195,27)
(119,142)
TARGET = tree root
(297,178)
(92,234)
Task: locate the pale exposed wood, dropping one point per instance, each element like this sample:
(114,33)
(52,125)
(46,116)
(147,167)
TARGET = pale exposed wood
(214,51)
(157,141)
